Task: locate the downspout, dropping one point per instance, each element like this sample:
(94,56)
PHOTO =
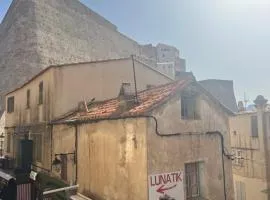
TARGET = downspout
(222,159)
(76,152)
(51,125)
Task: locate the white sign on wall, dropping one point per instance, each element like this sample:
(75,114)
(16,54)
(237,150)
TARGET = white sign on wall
(166,186)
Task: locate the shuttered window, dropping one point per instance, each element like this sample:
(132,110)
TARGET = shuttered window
(254,126)
(40,97)
(28,99)
(189,108)
(192,181)
(240,190)
(10,104)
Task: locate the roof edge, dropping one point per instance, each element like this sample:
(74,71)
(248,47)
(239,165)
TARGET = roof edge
(62,65)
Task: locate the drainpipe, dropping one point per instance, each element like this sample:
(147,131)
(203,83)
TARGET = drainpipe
(51,125)
(76,152)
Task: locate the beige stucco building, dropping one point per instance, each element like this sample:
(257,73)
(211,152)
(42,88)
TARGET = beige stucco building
(119,143)
(58,89)
(249,132)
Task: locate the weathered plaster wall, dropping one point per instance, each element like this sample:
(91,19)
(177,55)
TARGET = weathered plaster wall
(253,163)
(101,80)
(168,154)
(253,187)
(36,113)
(252,168)
(63,141)
(112,160)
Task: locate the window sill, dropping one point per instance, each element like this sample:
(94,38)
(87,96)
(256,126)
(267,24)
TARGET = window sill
(191,119)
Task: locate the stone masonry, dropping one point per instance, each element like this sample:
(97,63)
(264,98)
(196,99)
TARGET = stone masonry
(37,33)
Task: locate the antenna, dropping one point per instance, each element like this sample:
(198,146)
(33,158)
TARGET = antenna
(246,100)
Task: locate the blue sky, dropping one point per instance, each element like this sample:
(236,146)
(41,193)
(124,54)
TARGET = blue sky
(223,39)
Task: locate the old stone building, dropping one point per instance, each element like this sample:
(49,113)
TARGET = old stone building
(58,89)
(223,90)
(120,143)
(37,33)
(249,132)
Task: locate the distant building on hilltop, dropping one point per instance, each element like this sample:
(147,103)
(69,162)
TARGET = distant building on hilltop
(223,90)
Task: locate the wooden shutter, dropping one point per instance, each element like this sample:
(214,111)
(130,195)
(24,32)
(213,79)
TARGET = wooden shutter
(254,126)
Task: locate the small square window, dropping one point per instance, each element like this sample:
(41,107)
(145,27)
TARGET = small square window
(189,107)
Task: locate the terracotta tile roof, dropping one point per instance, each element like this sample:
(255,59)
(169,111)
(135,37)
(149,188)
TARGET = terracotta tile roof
(147,101)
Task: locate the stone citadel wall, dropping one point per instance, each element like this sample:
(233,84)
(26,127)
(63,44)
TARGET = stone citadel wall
(37,33)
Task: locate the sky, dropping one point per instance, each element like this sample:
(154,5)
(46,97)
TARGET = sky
(220,39)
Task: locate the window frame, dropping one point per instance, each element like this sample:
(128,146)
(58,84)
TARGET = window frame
(240,190)
(254,126)
(186,104)
(10,104)
(40,93)
(188,179)
(28,96)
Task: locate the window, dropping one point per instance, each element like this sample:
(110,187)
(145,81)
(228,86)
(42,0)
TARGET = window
(40,98)
(189,107)
(254,126)
(8,142)
(240,189)
(37,147)
(10,104)
(192,180)
(28,99)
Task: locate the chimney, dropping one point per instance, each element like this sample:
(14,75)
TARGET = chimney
(241,107)
(126,97)
(81,106)
(125,91)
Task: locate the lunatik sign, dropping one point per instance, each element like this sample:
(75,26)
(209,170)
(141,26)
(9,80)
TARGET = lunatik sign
(166,186)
